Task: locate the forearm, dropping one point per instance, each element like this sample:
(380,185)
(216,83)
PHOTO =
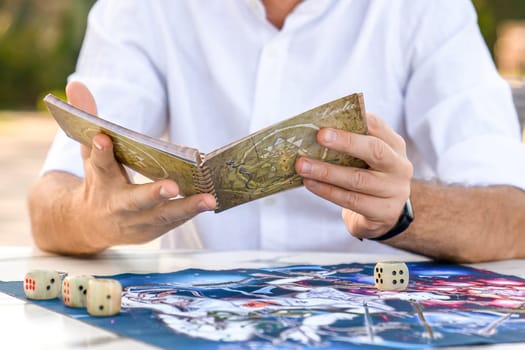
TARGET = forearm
(465,224)
(55,222)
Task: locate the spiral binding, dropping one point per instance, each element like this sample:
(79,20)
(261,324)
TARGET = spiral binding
(203,182)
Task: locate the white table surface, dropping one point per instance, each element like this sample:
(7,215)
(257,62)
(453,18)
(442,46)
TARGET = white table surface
(28,326)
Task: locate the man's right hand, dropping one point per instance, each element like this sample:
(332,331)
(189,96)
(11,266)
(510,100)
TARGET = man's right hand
(85,216)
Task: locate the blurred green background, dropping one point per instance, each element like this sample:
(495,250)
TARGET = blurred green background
(40,40)
(493,13)
(39,44)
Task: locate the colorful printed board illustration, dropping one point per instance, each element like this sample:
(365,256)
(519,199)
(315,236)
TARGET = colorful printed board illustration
(314,307)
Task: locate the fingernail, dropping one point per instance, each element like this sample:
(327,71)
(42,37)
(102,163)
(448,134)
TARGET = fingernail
(97,145)
(329,135)
(306,167)
(203,206)
(164,193)
(310,184)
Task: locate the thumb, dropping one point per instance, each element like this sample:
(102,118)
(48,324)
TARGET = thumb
(79,96)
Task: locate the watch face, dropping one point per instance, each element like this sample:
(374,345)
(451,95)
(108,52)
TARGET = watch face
(408,211)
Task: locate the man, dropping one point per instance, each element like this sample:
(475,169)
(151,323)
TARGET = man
(210,72)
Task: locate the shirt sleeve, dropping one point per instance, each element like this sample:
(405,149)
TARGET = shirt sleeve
(459,111)
(119,63)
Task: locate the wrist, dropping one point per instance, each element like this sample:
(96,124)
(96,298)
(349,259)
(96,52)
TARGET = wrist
(405,219)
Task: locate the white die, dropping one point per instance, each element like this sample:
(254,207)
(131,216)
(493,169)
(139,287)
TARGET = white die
(74,290)
(42,284)
(104,297)
(391,275)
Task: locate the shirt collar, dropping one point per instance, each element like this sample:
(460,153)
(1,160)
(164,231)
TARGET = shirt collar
(304,8)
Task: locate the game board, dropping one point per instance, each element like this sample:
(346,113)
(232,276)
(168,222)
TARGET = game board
(304,307)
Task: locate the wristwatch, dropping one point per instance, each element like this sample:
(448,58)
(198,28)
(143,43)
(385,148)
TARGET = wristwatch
(405,219)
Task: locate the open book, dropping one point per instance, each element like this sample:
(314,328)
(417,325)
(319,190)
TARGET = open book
(255,166)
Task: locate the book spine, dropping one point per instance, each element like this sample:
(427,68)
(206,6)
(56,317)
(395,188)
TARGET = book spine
(203,181)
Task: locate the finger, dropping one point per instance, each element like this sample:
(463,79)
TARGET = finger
(354,179)
(374,151)
(85,151)
(79,96)
(102,159)
(360,227)
(171,213)
(379,128)
(146,196)
(373,208)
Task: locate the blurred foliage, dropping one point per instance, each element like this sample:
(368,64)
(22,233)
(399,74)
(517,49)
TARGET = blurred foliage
(491,13)
(40,40)
(39,44)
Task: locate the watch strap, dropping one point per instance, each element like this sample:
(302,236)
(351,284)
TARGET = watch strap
(405,219)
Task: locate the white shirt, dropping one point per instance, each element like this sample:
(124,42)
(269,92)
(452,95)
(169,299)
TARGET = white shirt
(210,72)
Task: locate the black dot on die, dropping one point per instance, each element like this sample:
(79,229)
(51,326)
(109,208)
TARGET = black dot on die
(377,269)
(394,273)
(394,282)
(400,272)
(108,296)
(401,281)
(381,270)
(52,280)
(377,280)
(379,275)
(85,291)
(48,287)
(381,281)
(80,288)
(101,307)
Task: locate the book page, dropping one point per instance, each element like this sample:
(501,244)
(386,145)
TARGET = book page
(263,163)
(153,158)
